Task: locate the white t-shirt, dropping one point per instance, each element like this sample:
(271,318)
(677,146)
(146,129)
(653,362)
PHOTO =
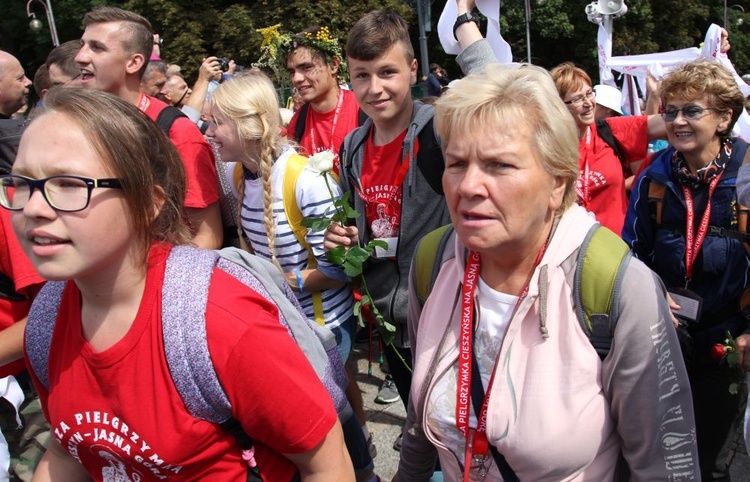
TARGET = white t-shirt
(494,312)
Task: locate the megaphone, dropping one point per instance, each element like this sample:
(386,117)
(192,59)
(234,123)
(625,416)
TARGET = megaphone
(592,13)
(616,8)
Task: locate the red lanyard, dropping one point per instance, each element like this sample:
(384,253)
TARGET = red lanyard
(585,191)
(693,240)
(339,104)
(143,102)
(477,446)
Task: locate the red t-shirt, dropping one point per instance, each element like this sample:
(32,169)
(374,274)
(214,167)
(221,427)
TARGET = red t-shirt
(383,172)
(117,411)
(319,131)
(15,264)
(197,157)
(602,184)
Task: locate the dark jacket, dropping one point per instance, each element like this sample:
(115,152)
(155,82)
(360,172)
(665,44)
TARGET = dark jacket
(720,272)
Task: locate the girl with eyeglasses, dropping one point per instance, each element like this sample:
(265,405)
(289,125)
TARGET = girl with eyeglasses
(96,196)
(601,185)
(684,221)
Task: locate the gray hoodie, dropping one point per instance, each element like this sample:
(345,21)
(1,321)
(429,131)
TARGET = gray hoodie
(423,209)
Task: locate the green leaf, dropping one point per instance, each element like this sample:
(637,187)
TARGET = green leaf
(340,216)
(734,388)
(357,253)
(733,359)
(351,269)
(357,310)
(390,327)
(320,225)
(365,300)
(370,248)
(387,337)
(337,255)
(351,212)
(307,222)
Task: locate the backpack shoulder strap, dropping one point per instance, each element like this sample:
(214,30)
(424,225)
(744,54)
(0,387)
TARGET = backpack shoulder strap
(428,259)
(317,342)
(361,117)
(299,128)
(184,296)
(8,289)
(166,118)
(605,132)
(237,177)
(656,193)
(294,167)
(602,262)
(430,157)
(41,326)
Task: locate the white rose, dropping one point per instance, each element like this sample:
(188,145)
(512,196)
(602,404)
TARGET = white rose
(321,161)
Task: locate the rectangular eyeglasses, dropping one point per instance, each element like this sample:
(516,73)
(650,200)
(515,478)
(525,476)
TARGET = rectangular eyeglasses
(68,194)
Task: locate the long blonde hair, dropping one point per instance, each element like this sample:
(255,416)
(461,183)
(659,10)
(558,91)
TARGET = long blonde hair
(250,101)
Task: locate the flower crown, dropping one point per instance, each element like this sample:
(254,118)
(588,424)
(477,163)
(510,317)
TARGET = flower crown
(275,46)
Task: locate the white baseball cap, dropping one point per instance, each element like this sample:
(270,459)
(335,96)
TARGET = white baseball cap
(608,96)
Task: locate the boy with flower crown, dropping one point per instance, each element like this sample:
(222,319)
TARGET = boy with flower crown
(316,67)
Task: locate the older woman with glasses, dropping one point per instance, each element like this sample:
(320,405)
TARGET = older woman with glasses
(603,172)
(499,339)
(684,222)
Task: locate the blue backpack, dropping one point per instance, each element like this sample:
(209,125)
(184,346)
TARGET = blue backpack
(184,296)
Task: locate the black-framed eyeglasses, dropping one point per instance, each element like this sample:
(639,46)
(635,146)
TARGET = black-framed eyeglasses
(578,100)
(59,84)
(68,194)
(689,112)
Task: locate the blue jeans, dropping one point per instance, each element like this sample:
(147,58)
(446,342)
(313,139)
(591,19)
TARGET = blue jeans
(344,335)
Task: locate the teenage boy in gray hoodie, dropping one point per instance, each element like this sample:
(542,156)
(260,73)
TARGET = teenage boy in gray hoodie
(392,166)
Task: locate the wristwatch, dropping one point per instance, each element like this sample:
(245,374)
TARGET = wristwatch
(462,19)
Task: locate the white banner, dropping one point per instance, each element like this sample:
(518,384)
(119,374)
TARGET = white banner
(604,44)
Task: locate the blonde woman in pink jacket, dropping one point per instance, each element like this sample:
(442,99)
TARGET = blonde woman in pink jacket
(499,334)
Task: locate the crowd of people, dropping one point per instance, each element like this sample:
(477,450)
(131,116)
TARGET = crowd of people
(557,290)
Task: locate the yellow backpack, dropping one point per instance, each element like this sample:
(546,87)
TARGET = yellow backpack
(294,167)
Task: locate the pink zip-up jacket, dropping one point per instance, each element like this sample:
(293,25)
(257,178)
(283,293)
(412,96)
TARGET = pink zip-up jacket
(556,411)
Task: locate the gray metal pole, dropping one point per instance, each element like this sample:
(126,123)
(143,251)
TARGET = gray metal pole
(527,4)
(422,40)
(725,14)
(51,20)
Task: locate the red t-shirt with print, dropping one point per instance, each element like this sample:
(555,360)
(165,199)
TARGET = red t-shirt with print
(383,173)
(15,265)
(601,182)
(118,412)
(196,153)
(320,133)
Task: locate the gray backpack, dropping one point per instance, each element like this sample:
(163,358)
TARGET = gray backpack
(184,296)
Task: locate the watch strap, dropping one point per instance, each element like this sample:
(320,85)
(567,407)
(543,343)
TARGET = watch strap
(462,19)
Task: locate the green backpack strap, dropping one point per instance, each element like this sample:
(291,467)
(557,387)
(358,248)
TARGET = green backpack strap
(294,167)
(428,259)
(602,261)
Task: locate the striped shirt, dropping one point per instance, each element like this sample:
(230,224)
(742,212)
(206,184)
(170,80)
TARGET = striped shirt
(313,199)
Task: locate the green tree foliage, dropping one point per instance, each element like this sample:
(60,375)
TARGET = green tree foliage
(559,28)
